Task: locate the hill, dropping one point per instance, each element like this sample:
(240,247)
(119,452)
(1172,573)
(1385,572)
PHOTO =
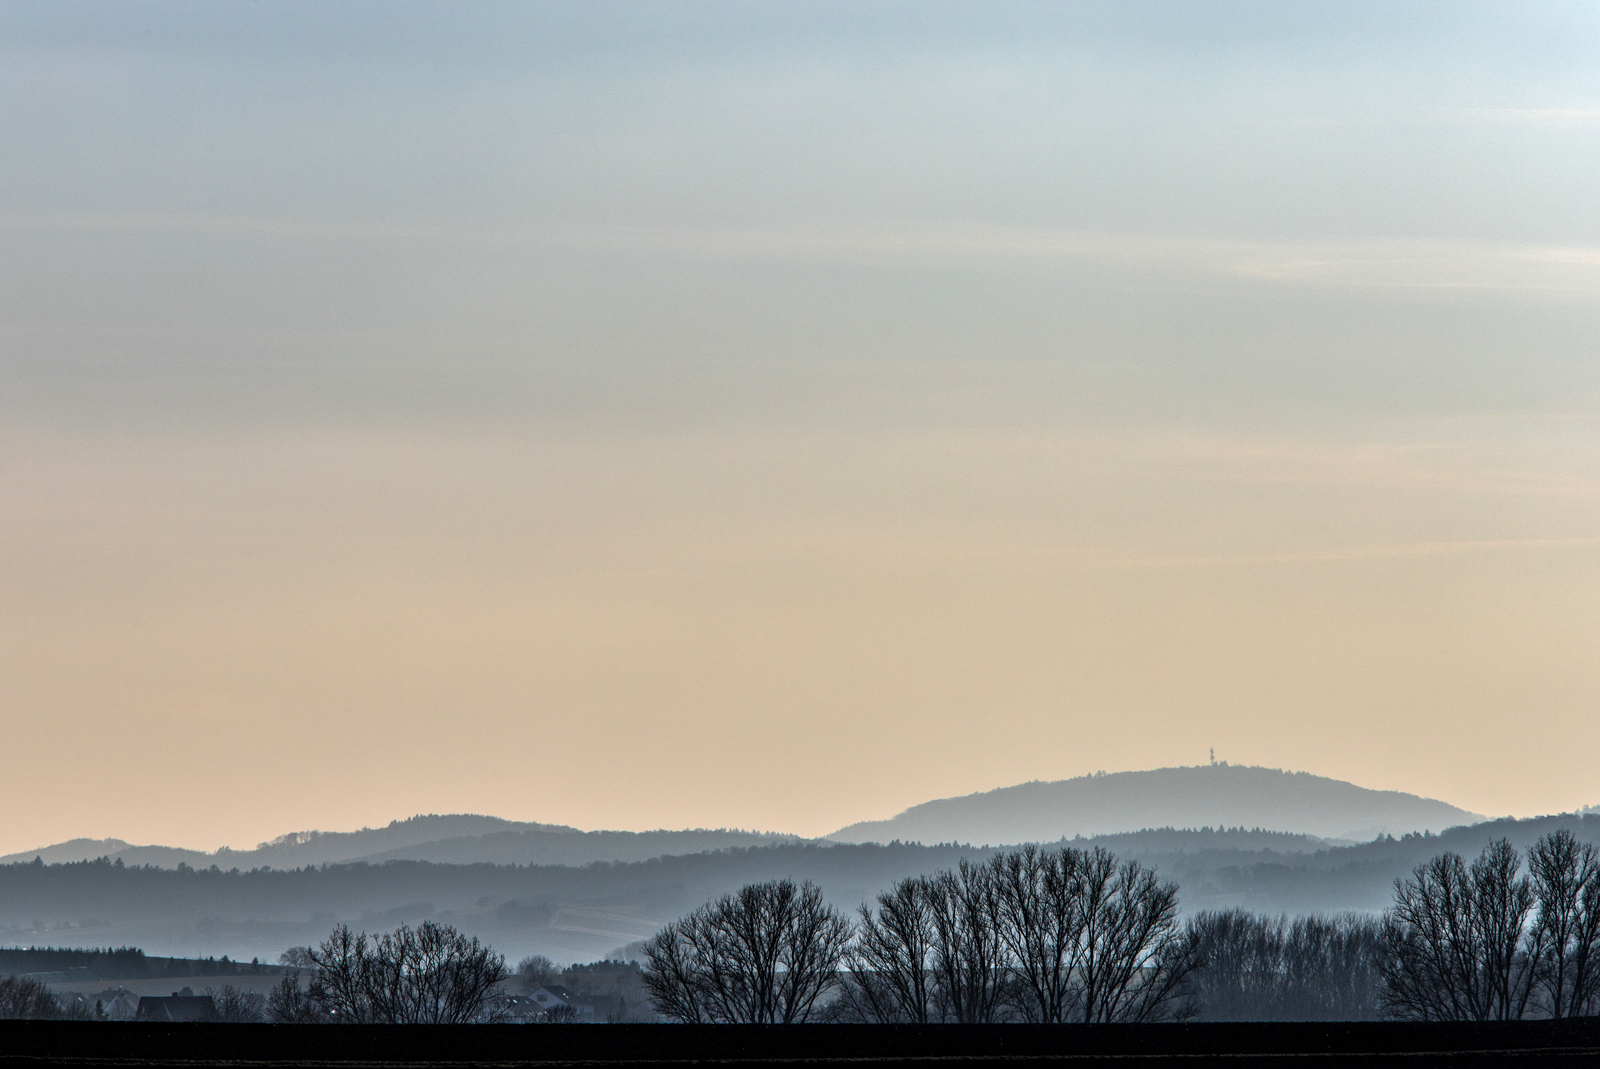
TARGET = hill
(575,913)
(460,838)
(1219,794)
(1208,795)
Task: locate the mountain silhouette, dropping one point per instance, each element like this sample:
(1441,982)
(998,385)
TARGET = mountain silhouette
(457,838)
(578,913)
(1219,795)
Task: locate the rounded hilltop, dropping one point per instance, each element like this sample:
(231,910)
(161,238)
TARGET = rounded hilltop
(1186,796)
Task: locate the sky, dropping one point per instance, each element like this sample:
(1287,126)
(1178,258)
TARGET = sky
(673,414)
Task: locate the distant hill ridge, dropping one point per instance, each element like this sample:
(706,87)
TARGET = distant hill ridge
(583,913)
(1172,801)
(1182,797)
(455,838)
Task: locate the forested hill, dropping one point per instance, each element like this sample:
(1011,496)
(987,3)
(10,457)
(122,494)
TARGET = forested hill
(57,965)
(1220,794)
(582,913)
(461,838)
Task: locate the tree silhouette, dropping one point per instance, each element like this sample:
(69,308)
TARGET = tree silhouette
(430,974)
(764,955)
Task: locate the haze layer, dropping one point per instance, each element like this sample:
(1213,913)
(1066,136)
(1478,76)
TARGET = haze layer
(777,415)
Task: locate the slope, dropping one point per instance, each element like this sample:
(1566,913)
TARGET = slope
(1190,796)
(460,838)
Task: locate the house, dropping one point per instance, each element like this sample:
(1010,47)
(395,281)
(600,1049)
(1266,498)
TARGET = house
(518,1009)
(556,1003)
(176,1008)
(119,1003)
(552,995)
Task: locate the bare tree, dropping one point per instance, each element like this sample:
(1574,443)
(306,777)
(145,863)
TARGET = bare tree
(1274,969)
(232,1005)
(1241,975)
(1040,925)
(674,967)
(535,971)
(764,955)
(971,981)
(1133,959)
(1039,935)
(289,1003)
(1566,882)
(298,957)
(1456,942)
(25,999)
(890,956)
(341,984)
(816,935)
(71,1007)
(1330,969)
(431,974)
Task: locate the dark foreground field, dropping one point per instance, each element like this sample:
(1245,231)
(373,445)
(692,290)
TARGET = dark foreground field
(31,1043)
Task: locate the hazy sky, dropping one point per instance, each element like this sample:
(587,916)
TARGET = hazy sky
(777,414)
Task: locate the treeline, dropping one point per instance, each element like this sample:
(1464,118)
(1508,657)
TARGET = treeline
(457,839)
(28,999)
(261,911)
(430,974)
(22,998)
(1308,968)
(120,893)
(1497,941)
(1047,935)
(1074,936)
(119,963)
(112,963)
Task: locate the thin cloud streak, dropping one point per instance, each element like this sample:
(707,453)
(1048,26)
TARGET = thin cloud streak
(1560,118)
(1354,554)
(1045,558)
(1371,262)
